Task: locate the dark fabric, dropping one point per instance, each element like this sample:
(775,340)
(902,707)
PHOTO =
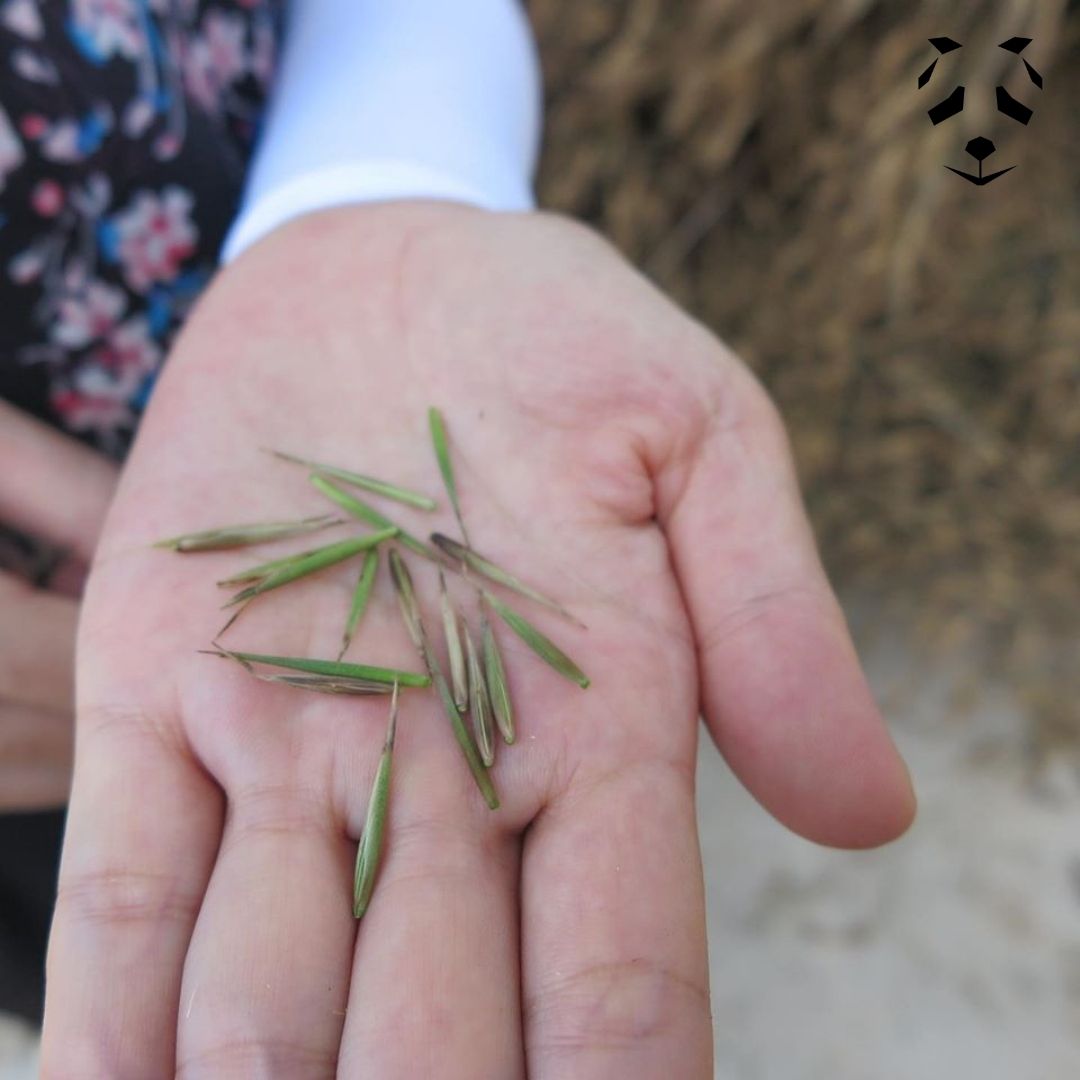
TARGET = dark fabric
(29,858)
(125,131)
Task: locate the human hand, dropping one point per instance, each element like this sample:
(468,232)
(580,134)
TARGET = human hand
(607,449)
(57,490)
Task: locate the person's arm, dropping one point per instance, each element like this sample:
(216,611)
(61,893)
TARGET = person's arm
(605,443)
(56,490)
(379,100)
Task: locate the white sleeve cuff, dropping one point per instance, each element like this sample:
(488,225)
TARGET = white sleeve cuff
(395,99)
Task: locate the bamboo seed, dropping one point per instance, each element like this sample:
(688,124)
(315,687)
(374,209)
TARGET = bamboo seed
(360,509)
(495,675)
(328,667)
(406,595)
(310,564)
(360,480)
(479,705)
(458,677)
(264,570)
(543,646)
(228,536)
(486,568)
(369,849)
(464,740)
(329,684)
(360,598)
(446,467)
(414,624)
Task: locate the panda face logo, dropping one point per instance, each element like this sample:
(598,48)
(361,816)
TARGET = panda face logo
(980,148)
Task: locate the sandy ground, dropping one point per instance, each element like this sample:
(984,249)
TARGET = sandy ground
(954,952)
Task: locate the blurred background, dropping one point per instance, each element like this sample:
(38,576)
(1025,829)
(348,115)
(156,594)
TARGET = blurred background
(771,165)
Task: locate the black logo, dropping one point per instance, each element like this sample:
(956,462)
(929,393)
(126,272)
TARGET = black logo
(981,148)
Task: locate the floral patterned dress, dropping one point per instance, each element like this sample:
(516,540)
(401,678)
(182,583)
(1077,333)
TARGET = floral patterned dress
(125,131)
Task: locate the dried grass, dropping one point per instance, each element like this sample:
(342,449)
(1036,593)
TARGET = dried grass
(921,334)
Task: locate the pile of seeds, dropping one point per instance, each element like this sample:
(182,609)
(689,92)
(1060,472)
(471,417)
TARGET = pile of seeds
(477,686)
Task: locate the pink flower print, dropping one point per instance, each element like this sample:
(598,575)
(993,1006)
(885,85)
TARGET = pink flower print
(34,68)
(23,17)
(60,143)
(138,116)
(28,265)
(108,27)
(83,412)
(12,153)
(215,58)
(47,198)
(155,234)
(33,126)
(87,315)
(130,351)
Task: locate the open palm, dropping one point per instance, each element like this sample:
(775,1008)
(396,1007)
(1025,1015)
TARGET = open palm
(608,450)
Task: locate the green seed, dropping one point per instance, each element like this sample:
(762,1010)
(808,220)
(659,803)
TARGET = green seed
(360,598)
(318,560)
(264,570)
(486,568)
(458,677)
(367,483)
(442,455)
(360,509)
(414,624)
(544,647)
(369,850)
(495,675)
(479,705)
(228,536)
(329,667)
(464,740)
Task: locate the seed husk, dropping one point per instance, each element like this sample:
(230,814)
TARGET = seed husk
(329,684)
(495,676)
(369,850)
(406,595)
(229,536)
(317,560)
(414,624)
(360,509)
(458,677)
(543,646)
(486,568)
(360,480)
(360,598)
(337,668)
(446,467)
(479,705)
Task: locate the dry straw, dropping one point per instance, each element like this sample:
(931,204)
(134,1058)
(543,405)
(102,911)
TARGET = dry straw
(230,536)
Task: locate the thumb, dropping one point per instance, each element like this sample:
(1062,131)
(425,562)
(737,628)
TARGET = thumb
(782,690)
(51,485)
